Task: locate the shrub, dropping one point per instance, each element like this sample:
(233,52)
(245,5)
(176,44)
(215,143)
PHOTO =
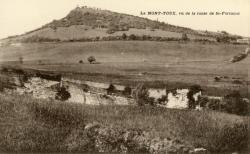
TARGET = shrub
(111,89)
(127,91)
(235,104)
(217,79)
(91,59)
(237,82)
(184,37)
(124,36)
(163,99)
(203,101)
(132,37)
(110,31)
(192,90)
(21,60)
(213,104)
(36,38)
(4,69)
(232,138)
(62,94)
(141,96)
(223,39)
(81,61)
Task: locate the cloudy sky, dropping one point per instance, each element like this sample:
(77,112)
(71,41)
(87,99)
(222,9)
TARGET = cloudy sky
(19,16)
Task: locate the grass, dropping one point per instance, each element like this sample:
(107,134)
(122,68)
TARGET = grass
(126,61)
(30,125)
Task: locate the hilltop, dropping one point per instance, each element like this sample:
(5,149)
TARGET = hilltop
(90,23)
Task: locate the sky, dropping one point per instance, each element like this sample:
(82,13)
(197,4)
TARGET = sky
(20,16)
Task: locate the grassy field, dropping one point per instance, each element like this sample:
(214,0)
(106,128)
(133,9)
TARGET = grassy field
(82,31)
(29,125)
(129,62)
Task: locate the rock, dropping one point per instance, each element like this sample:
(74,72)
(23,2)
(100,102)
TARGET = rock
(92,125)
(199,151)
(99,138)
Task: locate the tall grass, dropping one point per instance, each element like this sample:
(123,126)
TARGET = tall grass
(30,125)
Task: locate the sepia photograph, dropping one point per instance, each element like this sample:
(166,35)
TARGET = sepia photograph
(134,76)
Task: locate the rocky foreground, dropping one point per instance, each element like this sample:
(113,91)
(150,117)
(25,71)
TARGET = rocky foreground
(106,139)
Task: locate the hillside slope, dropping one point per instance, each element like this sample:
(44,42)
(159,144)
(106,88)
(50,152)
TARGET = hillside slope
(84,22)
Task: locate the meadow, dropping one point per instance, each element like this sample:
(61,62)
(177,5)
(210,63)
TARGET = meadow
(30,125)
(130,62)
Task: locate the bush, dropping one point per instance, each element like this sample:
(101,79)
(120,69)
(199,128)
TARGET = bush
(62,94)
(192,90)
(235,104)
(203,101)
(36,38)
(124,36)
(232,138)
(81,61)
(217,79)
(110,31)
(111,89)
(163,99)
(21,60)
(132,37)
(127,91)
(237,82)
(4,69)
(91,59)
(184,37)
(214,104)
(141,96)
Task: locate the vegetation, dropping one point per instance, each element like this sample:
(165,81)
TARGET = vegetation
(124,36)
(112,21)
(91,59)
(197,63)
(184,37)
(141,95)
(62,94)
(21,60)
(232,103)
(111,89)
(127,91)
(30,125)
(132,37)
(36,38)
(193,90)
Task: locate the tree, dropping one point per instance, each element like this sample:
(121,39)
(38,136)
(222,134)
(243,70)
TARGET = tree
(224,32)
(21,60)
(141,95)
(235,104)
(184,37)
(193,90)
(81,61)
(124,36)
(91,59)
(127,91)
(62,94)
(217,79)
(111,89)
(40,62)
(132,37)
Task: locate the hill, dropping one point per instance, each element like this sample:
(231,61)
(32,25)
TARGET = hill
(90,23)
(132,61)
